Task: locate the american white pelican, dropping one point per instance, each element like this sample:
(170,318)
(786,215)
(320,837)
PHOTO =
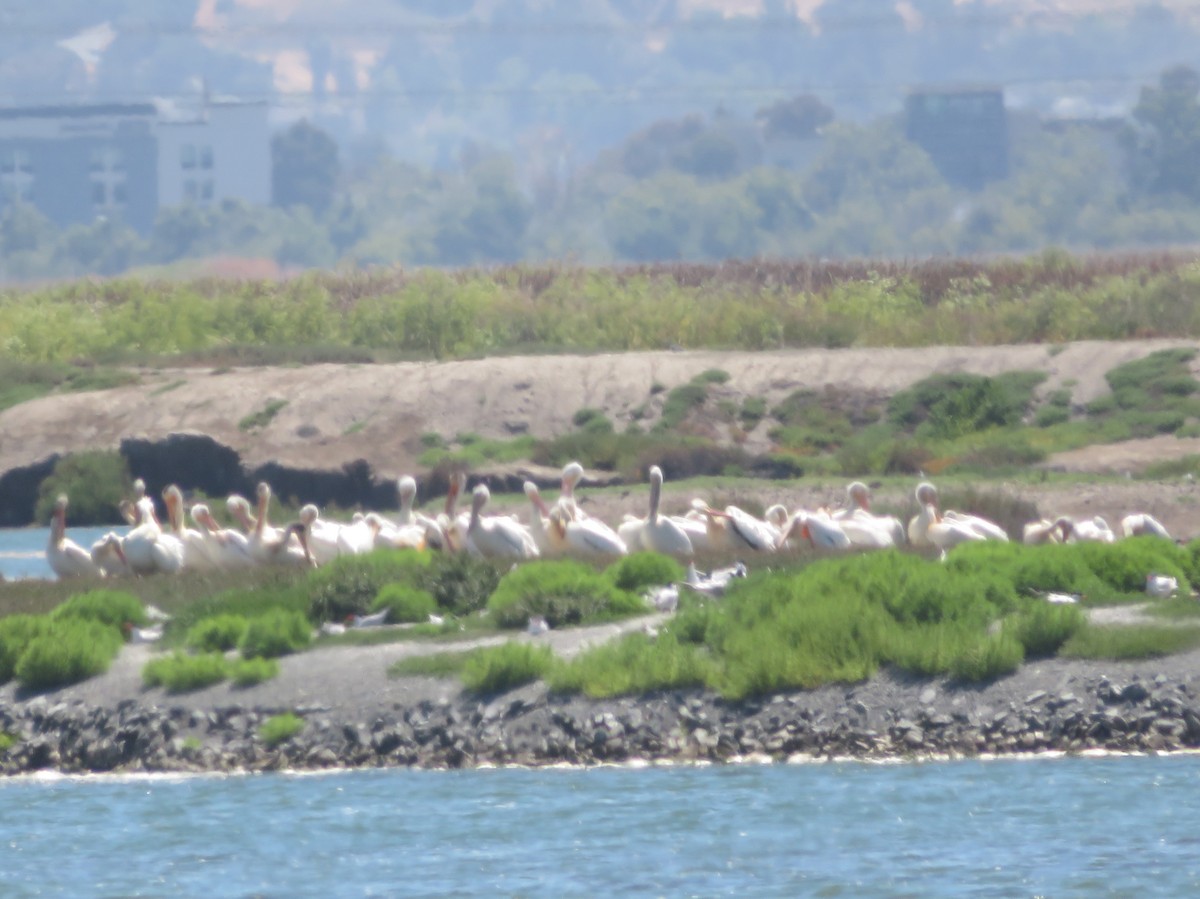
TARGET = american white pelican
(859,509)
(539,520)
(572,474)
(67,558)
(714,583)
(871,531)
(148,549)
(195,547)
(131,509)
(929,528)
(1140,524)
(821,531)
(322,535)
(736,530)
(107,554)
(389,535)
(357,537)
(406,486)
(588,537)
(989,530)
(1161,585)
(1042,531)
(227,548)
(271,545)
(1095,530)
(657,532)
(496,536)
(953,526)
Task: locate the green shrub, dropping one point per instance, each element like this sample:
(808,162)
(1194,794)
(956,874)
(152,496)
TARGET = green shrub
(248,672)
(754,410)
(993,656)
(500,668)
(8,741)
(634,664)
(67,651)
(1044,627)
(275,633)
(561,591)
(460,583)
(1051,415)
(637,571)
(96,481)
(111,607)
(349,584)
(405,603)
(592,421)
(280,728)
(183,673)
(1123,565)
(680,403)
(16,633)
(218,634)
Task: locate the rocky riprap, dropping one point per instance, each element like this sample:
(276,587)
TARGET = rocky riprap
(528,727)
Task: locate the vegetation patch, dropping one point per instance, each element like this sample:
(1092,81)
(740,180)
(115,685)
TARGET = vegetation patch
(637,571)
(275,633)
(1145,641)
(280,728)
(405,603)
(67,652)
(248,672)
(262,417)
(114,608)
(564,592)
(350,584)
(184,673)
(501,668)
(220,633)
(436,664)
(95,481)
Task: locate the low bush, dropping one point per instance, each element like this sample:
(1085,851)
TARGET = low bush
(275,633)
(66,652)
(1044,627)
(634,664)
(183,673)
(500,668)
(111,607)
(280,728)
(218,634)
(279,588)
(405,603)
(637,571)
(991,656)
(16,633)
(96,481)
(461,584)
(1123,565)
(349,584)
(561,591)
(248,672)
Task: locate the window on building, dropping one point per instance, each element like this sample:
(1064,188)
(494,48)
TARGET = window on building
(99,193)
(189,189)
(206,189)
(206,156)
(187,156)
(118,193)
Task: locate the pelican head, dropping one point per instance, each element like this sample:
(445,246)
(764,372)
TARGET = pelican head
(139,489)
(860,495)
(572,474)
(926,494)
(308,514)
(407,487)
(777,515)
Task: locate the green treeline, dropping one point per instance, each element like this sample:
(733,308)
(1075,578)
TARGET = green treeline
(752,305)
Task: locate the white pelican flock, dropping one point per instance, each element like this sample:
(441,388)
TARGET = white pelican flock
(559,530)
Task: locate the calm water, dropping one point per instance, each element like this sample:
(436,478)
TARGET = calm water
(1063,827)
(23,550)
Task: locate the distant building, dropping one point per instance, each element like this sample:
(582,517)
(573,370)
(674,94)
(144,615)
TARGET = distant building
(78,163)
(964,131)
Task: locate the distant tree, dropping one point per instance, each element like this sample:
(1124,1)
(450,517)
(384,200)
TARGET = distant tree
(105,247)
(23,229)
(1164,143)
(714,154)
(305,167)
(485,223)
(794,119)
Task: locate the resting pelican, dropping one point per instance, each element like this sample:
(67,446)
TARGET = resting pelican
(195,548)
(1042,531)
(859,509)
(1140,524)
(735,529)
(357,537)
(66,557)
(929,528)
(927,495)
(148,549)
(495,536)
(107,554)
(322,535)
(657,532)
(131,509)
(821,531)
(392,536)
(271,545)
(539,521)
(572,474)
(590,537)
(1095,530)
(227,548)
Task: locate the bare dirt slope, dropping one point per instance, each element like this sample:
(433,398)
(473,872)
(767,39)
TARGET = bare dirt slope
(332,414)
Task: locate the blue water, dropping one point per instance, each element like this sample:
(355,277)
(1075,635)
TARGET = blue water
(23,550)
(1062,827)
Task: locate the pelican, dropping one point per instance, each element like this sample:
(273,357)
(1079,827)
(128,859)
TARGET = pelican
(859,509)
(271,545)
(392,536)
(495,536)
(148,549)
(357,537)
(657,532)
(1139,524)
(952,526)
(130,509)
(572,474)
(539,521)
(735,529)
(195,548)
(66,557)
(322,535)
(820,530)
(226,547)
(1094,530)
(589,537)
(1042,531)
(107,554)
(408,517)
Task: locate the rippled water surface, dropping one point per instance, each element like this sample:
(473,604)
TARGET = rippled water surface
(1061,827)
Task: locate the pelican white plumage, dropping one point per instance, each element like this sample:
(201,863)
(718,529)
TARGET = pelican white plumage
(67,558)
(389,535)
(1041,531)
(107,554)
(270,545)
(1095,530)
(656,532)
(1142,524)
(408,517)
(572,474)
(539,520)
(150,550)
(496,536)
(736,530)
(820,530)
(322,535)
(858,508)
(589,537)
(131,509)
(357,537)
(196,552)
(950,527)
(227,548)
